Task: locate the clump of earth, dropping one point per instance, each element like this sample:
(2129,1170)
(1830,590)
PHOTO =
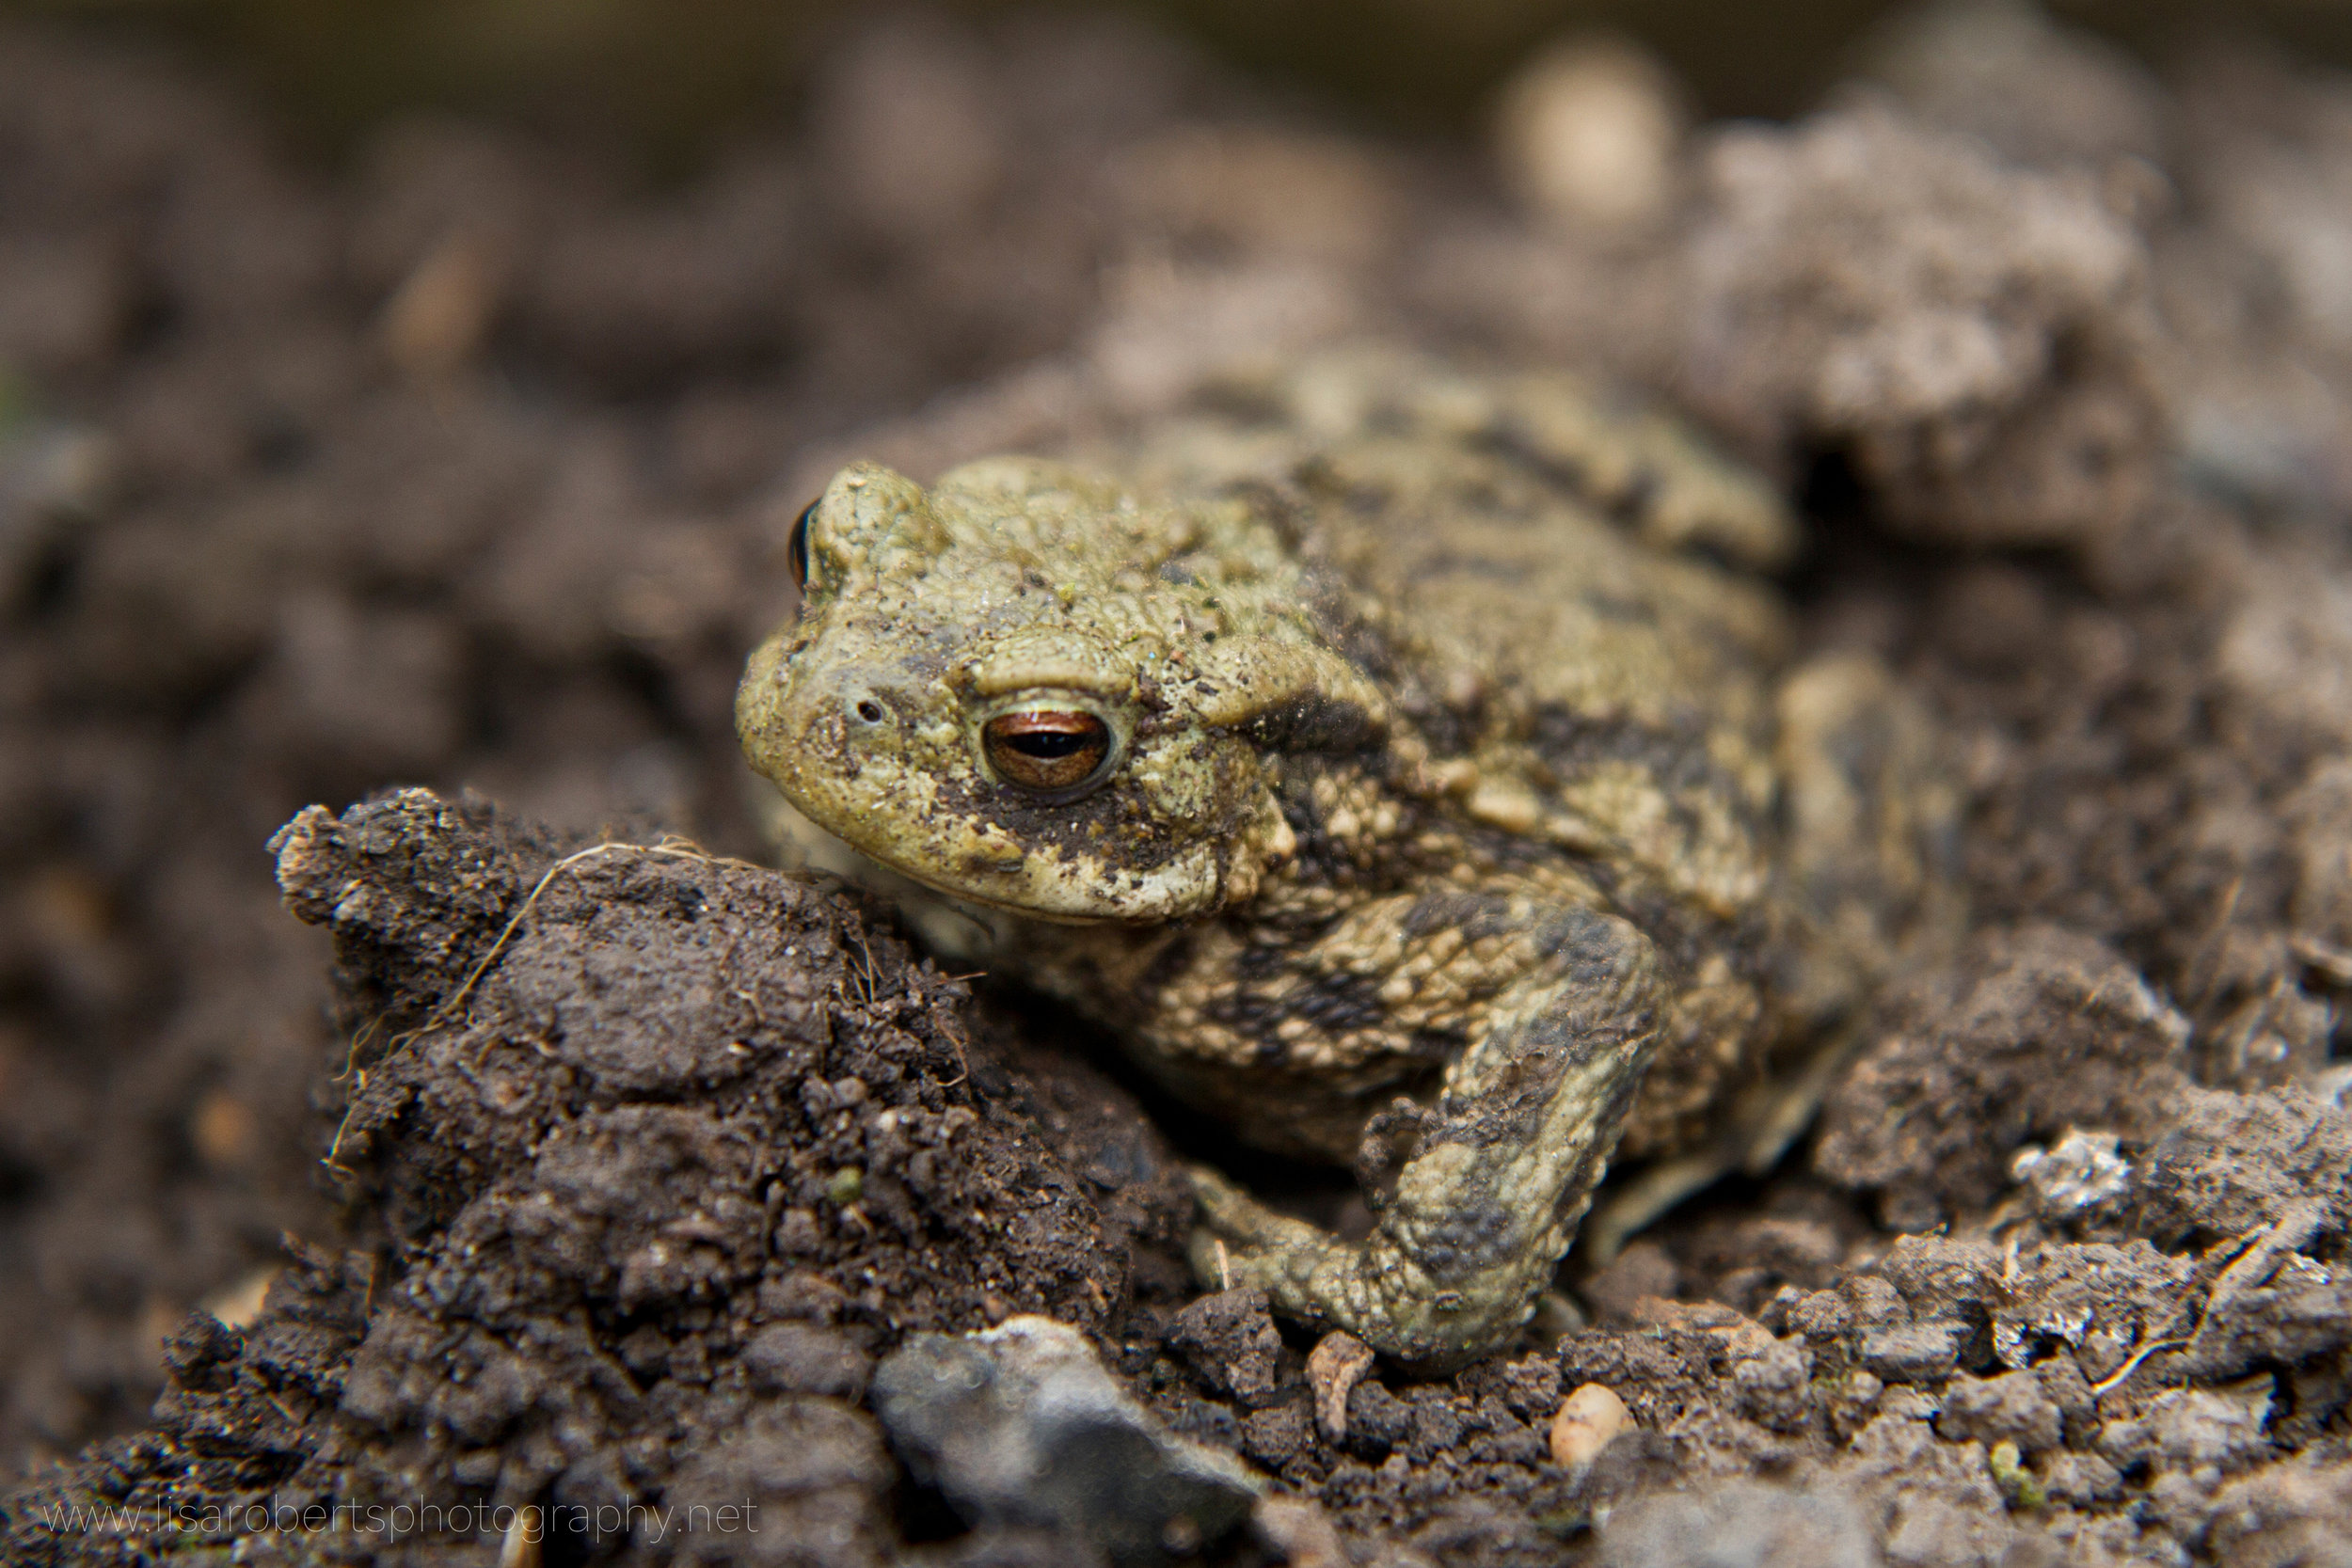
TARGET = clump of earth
(506,1137)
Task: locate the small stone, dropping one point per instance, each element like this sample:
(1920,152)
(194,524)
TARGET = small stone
(436,319)
(1588,135)
(225,1131)
(1774,1387)
(1873,1301)
(1589,1421)
(1914,1353)
(239,1303)
(1850,1402)
(1022,1426)
(2185,1429)
(1334,1367)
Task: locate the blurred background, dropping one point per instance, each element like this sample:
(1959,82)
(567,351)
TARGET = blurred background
(668,77)
(416,393)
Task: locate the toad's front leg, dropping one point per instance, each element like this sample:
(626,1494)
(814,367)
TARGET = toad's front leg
(1495,1174)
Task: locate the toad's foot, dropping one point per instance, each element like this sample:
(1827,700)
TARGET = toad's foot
(1501,1168)
(1375,1290)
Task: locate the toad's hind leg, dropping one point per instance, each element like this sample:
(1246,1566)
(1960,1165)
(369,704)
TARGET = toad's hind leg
(1496,1172)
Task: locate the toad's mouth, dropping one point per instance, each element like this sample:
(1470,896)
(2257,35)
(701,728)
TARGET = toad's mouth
(1034,885)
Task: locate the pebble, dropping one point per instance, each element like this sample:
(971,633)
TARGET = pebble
(1589,1421)
(1020,1426)
(1914,1353)
(1588,135)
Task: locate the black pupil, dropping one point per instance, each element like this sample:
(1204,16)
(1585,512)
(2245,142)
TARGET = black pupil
(798,548)
(1049,745)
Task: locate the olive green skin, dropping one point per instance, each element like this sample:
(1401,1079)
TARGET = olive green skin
(1462,814)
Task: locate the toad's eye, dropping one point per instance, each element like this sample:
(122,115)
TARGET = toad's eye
(797,551)
(1046,750)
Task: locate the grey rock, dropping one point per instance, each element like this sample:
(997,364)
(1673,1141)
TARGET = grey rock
(1022,1426)
(1914,1353)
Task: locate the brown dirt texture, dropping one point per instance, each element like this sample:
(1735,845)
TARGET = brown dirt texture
(505,1137)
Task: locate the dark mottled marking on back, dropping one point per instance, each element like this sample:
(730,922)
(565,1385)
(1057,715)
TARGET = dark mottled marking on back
(1476,915)
(1573,742)
(1319,858)
(1166,967)
(1508,439)
(1454,563)
(1340,1003)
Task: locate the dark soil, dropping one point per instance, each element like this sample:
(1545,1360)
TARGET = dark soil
(586,1168)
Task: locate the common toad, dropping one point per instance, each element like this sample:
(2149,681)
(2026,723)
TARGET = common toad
(1413,770)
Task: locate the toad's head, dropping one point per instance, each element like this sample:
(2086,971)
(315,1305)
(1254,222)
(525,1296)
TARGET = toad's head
(1032,690)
